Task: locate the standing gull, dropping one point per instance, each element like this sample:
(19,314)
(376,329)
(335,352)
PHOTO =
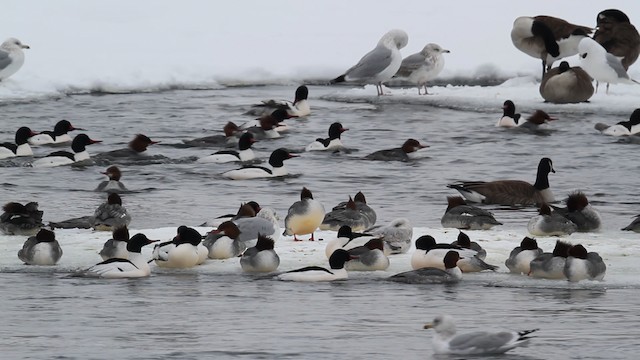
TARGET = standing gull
(11,57)
(423,66)
(601,65)
(380,64)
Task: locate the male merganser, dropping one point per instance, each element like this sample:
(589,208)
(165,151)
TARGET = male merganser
(59,135)
(223,242)
(181,252)
(260,258)
(58,158)
(369,257)
(460,215)
(430,254)
(42,249)
(630,127)
(346,239)
(581,265)
(550,265)
(510,119)
(113,185)
(450,273)
(133,267)
(276,160)
(244,153)
(11,57)
(18,219)
(519,260)
(298,108)
(21,146)
(304,216)
(337,263)
(332,143)
(116,247)
(406,152)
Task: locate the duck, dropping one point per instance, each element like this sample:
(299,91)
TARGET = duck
(59,158)
(446,341)
(261,258)
(450,273)
(369,257)
(337,270)
(634,225)
(113,185)
(304,216)
(134,266)
(428,253)
(510,119)
(18,219)
(276,160)
(21,146)
(111,214)
(601,65)
(229,139)
(346,239)
(550,265)
(510,192)
(42,249)
(354,212)
(464,241)
(332,143)
(11,57)
(580,212)
(550,223)
(116,247)
(566,85)
(248,209)
(269,126)
(581,265)
(623,128)
(244,153)
(423,66)
(460,215)
(618,36)
(181,252)
(265,222)
(59,135)
(408,151)
(396,234)
(224,242)
(547,38)
(519,259)
(298,108)
(134,150)
(380,64)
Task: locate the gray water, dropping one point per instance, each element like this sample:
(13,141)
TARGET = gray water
(193,315)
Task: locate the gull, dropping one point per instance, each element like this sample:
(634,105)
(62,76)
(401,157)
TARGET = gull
(423,66)
(11,57)
(601,65)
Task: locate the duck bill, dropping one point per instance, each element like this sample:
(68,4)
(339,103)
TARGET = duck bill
(94,141)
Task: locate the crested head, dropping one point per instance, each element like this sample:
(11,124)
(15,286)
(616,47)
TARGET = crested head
(544,210)
(264,243)
(229,228)
(14,208)
(113,172)
(453,201)
(279,115)
(140,143)
(561,249)
(464,240)
(246,210)
(230,129)
(45,235)
(528,243)
(578,251)
(540,117)
(120,233)
(305,194)
(359,197)
(412,145)
(425,242)
(255,206)
(351,204)
(114,199)
(577,201)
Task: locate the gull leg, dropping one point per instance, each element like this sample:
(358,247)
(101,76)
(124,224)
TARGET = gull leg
(607,92)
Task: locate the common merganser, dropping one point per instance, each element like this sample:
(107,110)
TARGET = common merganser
(116,247)
(244,153)
(249,209)
(634,225)
(430,254)
(346,239)
(580,212)
(408,151)
(423,66)
(548,223)
(396,235)
(113,185)
(380,64)
(316,273)
(261,258)
(59,135)
(21,146)
(42,249)
(550,265)
(223,242)
(332,143)
(581,265)
(520,257)
(133,267)
(181,252)
(369,257)
(460,215)
(342,214)
(135,149)
(450,273)
(304,216)
(464,241)
(268,127)
(298,108)
(510,192)
(111,214)
(229,139)
(630,127)
(18,219)
(276,160)
(58,158)
(510,119)
(11,57)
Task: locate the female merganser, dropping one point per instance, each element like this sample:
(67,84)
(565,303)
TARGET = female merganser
(304,216)
(550,223)
(450,273)
(260,258)
(133,267)
(42,249)
(550,265)
(520,258)
(460,215)
(430,254)
(347,215)
(116,247)
(406,152)
(59,158)
(580,212)
(113,185)
(229,139)
(276,160)
(244,153)
(18,219)
(223,243)
(331,143)
(397,235)
(464,241)
(264,223)
(268,127)
(59,135)
(369,257)
(21,146)
(249,209)
(510,119)
(181,252)
(581,265)
(337,263)
(111,214)
(136,147)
